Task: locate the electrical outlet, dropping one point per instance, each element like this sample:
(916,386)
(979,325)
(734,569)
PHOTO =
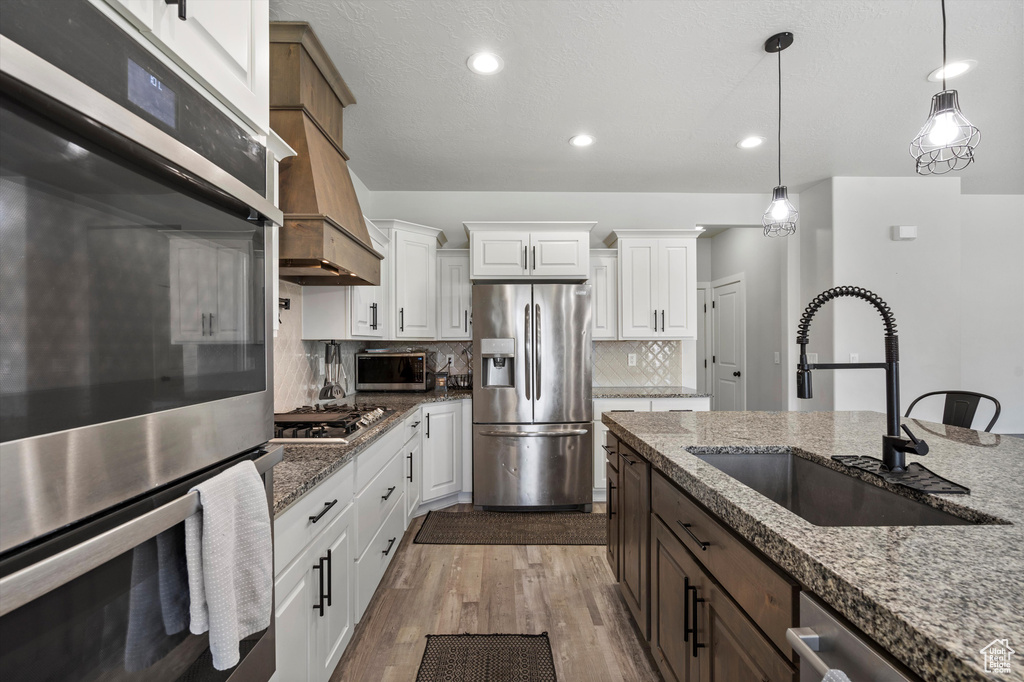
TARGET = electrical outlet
(854,357)
(631,359)
(451,361)
(778,357)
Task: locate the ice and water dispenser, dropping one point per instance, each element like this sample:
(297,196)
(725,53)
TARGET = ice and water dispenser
(499,363)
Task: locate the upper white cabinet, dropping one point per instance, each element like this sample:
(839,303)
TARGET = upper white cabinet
(658,283)
(605,299)
(414,275)
(369,305)
(455,300)
(223,44)
(209,300)
(529,250)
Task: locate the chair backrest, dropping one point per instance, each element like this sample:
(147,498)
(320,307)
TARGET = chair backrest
(960,407)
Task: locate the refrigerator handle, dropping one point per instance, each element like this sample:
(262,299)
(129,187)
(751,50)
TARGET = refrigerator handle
(537,351)
(529,342)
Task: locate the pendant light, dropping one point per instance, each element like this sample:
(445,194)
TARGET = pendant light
(780,218)
(947,140)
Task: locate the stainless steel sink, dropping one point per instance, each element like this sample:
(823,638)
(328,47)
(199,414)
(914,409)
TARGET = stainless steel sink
(826,497)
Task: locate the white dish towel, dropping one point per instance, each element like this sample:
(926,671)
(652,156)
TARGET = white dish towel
(229,554)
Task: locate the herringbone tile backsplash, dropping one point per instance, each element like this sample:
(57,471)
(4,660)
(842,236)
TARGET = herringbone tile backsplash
(297,377)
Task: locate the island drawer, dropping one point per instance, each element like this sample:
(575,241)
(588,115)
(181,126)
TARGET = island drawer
(611,450)
(768,596)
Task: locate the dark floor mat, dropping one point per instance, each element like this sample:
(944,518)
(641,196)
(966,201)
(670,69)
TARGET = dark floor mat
(512,528)
(487,658)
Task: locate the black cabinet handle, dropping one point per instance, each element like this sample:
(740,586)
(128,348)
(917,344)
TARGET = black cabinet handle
(608,449)
(735,374)
(414,425)
(373,316)
(428,424)
(655,320)
(526,250)
(327,508)
(465,320)
(534,258)
(401,319)
(662,320)
(628,460)
(329,571)
(686,608)
(686,527)
(319,566)
(391,543)
(390,490)
(181,8)
(693,612)
(410,466)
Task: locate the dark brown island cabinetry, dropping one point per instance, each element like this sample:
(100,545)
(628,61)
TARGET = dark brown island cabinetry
(712,608)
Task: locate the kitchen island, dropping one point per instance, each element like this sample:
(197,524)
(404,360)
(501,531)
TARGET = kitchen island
(931,596)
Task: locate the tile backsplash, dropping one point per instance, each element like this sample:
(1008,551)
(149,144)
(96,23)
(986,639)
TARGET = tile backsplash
(297,377)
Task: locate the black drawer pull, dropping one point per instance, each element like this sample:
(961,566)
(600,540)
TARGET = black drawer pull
(680,410)
(319,566)
(607,449)
(391,543)
(629,461)
(414,425)
(410,466)
(686,527)
(327,508)
(329,571)
(693,629)
(390,490)
(181,8)
(622,410)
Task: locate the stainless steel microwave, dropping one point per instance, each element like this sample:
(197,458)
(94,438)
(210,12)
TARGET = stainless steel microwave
(393,371)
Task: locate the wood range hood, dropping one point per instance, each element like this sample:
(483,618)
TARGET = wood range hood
(324,240)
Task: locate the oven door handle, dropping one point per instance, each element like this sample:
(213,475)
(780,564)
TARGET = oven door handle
(21,587)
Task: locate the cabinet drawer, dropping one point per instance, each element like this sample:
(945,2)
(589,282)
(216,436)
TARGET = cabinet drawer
(767,596)
(680,404)
(378,555)
(611,451)
(377,500)
(620,404)
(412,426)
(295,528)
(370,462)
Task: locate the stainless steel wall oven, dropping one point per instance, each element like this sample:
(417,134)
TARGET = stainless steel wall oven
(135,354)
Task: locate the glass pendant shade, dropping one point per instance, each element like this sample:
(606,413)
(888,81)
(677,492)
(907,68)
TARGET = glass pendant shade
(780,218)
(947,140)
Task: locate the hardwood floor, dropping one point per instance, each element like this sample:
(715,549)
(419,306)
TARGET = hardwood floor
(567,591)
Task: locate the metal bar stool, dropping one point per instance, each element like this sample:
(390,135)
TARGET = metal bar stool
(960,407)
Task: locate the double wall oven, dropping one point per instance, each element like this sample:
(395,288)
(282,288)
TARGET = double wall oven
(135,346)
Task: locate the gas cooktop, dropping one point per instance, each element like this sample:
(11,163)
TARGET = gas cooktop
(331,423)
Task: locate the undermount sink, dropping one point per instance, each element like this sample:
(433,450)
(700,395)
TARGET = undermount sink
(823,496)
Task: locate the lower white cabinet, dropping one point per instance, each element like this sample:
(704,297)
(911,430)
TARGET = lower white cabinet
(413,455)
(378,555)
(442,449)
(314,606)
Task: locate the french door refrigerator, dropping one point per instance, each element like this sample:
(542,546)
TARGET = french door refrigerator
(532,409)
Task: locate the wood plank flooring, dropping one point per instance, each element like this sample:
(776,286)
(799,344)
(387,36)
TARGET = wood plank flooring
(567,591)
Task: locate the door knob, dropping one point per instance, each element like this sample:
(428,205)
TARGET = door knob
(735,374)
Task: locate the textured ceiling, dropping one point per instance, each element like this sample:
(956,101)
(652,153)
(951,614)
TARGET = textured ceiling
(666,86)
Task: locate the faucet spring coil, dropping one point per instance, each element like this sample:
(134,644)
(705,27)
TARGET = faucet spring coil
(888,319)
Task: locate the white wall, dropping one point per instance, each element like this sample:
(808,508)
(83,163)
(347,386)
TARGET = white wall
(815,250)
(762,262)
(704,259)
(991,304)
(920,280)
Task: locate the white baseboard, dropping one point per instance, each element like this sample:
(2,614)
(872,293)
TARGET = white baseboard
(443,502)
(600,495)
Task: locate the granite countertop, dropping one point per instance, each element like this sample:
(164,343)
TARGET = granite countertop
(304,466)
(933,596)
(647,392)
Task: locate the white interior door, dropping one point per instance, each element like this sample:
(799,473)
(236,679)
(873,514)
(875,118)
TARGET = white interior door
(729,343)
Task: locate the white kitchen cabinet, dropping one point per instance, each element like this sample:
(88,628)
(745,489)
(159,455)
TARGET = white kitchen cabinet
(413,455)
(209,294)
(369,305)
(605,298)
(529,250)
(658,283)
(223,44)
(455,300)
(442,449)
(413,298)
(310,644)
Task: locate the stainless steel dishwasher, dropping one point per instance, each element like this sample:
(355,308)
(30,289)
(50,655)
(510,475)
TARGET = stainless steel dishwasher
(826,645)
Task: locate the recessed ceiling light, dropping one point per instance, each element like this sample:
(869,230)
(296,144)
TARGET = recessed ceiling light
(750,142)
(582,140)
(953,69)
(485,63)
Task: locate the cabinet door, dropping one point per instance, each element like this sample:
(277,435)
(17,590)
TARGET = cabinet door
(295,594)
(560,254)
(456,296)
(638,270)
(226,46)
(600,436)
(442,450)
(415,275)
(413,477)
(232,309)
(192,289)
(500,254)
(368,311)
(634,505)
(674,577)
(334,628)
(605,301)
(735,649)
(677,287)
(612,477)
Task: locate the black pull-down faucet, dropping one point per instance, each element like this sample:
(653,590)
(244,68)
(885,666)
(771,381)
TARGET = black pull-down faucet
(894,447)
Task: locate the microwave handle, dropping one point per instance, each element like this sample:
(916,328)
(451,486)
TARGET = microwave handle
(21,587)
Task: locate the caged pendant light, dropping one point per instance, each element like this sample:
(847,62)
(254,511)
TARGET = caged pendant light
(780,218)
(947,140)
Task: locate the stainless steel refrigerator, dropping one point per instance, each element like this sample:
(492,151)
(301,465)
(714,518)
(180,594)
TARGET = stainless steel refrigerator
(532,409)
